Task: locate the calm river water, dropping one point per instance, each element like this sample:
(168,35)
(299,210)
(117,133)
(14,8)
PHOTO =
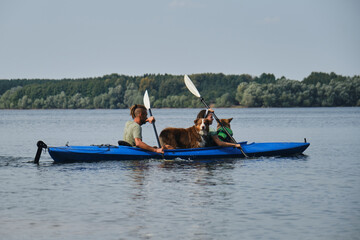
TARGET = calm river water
(315,196)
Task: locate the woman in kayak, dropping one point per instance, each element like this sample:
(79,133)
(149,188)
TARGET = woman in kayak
(132,131)
(213,139)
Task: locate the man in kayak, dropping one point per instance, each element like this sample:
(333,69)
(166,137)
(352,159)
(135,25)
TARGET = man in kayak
(132,131)
(213,139)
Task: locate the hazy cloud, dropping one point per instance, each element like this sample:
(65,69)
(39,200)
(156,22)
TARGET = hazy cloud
(184,4)
(271,20)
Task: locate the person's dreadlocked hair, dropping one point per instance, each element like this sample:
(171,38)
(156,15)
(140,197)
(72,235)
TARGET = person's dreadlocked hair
(136,109)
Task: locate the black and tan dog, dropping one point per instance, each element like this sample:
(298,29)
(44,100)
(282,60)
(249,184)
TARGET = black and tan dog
(222,135)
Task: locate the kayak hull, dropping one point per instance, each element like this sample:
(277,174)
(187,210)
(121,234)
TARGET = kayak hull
(119,153)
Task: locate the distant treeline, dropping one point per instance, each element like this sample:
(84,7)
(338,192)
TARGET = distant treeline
(220,90)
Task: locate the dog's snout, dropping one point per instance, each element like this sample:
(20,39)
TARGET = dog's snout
(202,126)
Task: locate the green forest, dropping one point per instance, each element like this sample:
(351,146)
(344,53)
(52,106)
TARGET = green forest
(169,91)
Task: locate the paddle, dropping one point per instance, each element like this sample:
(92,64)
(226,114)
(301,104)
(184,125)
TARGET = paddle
(190,85)
(147,105)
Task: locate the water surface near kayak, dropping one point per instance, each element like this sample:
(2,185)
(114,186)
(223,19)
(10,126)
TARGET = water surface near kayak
(315,196)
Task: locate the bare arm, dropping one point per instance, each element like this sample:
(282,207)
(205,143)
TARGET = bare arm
(139,143)
(224,144)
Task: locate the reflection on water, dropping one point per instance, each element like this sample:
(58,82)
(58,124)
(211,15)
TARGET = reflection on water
(312,196)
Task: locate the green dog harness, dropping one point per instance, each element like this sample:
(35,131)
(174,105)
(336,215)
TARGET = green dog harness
(222,134)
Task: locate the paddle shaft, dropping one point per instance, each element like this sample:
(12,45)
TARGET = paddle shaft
(157,137)
(218,121)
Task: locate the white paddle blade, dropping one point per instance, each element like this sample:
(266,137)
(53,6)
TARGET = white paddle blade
(146,100)
(190,85)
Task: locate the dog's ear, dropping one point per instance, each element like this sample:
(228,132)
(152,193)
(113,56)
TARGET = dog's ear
(196,120)
(230,119)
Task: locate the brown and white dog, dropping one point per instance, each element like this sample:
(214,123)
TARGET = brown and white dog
(192,137)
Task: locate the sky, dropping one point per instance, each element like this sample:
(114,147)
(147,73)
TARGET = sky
(56,39)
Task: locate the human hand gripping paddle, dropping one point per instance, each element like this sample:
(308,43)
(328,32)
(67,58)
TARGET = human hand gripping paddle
(190,85)
(147,105)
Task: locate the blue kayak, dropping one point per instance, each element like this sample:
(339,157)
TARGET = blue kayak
(111,153)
